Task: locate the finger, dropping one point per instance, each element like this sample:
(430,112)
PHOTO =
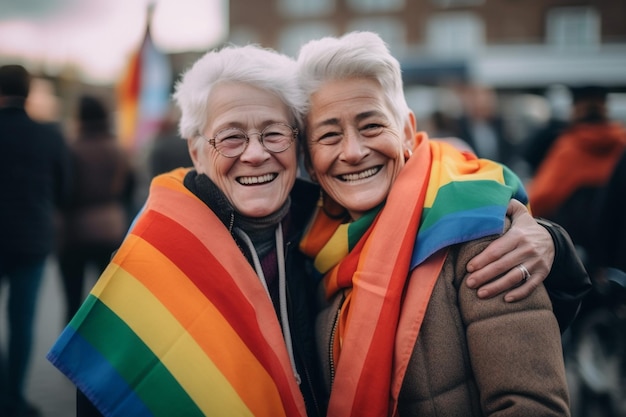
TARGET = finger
(500,247)
(508,280)
(502,265)
(515,208)
(513,283)
(523,290)
(504,245)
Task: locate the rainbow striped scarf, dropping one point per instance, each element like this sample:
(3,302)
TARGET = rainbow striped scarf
(442,197)
(179,324)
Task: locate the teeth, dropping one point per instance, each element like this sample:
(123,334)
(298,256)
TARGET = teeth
(360,175)
(256,180)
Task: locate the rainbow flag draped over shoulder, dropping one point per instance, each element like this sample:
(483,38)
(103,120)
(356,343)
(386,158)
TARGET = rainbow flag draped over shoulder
(441,197)
(143,94)
(466,199)
(179,324)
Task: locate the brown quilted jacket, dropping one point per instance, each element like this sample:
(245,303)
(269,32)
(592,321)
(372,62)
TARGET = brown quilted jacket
(477,357)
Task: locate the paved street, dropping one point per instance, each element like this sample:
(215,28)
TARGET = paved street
(48,389)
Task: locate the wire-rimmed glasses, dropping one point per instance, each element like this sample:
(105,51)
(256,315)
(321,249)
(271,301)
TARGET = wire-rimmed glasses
(233,141)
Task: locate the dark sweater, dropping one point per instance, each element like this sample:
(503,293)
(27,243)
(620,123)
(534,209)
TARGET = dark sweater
(35,180)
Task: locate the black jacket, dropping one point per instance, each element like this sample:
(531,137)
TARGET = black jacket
(34,179)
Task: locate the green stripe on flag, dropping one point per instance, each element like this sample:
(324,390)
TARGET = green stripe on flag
(464,195)
(134,361)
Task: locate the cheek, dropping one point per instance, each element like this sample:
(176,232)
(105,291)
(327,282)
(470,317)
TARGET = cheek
(393,149)
(291,166)
(320,159)
(214,166)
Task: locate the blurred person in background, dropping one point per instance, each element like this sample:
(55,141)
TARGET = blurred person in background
(97,215)
(578,165)
(580,185)
(443,127)
(538,142)
(610,248)
(168,150)
(35,180)
(163,153)
(481,125)
(597,342)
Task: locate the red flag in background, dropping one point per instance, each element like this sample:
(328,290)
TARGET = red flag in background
(143,94)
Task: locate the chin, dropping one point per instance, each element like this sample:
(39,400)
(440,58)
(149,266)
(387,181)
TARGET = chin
(258,211)
(365,203)
(356,211)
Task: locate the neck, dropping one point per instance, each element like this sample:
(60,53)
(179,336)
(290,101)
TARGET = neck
(261,229)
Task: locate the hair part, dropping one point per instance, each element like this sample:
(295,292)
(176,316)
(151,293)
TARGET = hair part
(251,64)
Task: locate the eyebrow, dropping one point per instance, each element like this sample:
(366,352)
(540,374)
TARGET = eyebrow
(333,121)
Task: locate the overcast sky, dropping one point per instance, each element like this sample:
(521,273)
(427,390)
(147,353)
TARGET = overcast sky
(99,35)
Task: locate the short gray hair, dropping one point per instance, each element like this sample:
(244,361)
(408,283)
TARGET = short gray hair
(251,64)
(353,55)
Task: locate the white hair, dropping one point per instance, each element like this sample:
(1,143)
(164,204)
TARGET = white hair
(250,64)
(353,55)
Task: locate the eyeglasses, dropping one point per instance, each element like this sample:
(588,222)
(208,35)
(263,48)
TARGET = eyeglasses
(232,142)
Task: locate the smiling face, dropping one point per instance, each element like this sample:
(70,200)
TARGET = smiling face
(257,183)
(356,148)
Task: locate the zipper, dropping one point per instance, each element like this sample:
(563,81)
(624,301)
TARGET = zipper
(331,343)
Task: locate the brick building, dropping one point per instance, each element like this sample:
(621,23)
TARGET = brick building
(504,43)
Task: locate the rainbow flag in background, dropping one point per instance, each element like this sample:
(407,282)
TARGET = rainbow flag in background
(179,324)
(143,94)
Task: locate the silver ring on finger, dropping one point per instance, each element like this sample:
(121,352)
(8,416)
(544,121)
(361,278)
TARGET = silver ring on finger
(525,273)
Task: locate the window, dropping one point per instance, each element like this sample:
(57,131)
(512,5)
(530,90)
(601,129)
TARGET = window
(369,6)
(306,8)
(292,38)
(455,33)
(573,27)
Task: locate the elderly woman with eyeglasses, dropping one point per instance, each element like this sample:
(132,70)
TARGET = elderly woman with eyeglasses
(204,309)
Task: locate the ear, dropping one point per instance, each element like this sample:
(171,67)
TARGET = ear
(410,130)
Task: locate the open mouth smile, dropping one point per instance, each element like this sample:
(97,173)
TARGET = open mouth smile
(258,180)
(356,176)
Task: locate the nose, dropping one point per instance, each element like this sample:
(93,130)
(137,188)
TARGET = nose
(353,148)
(255,152)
